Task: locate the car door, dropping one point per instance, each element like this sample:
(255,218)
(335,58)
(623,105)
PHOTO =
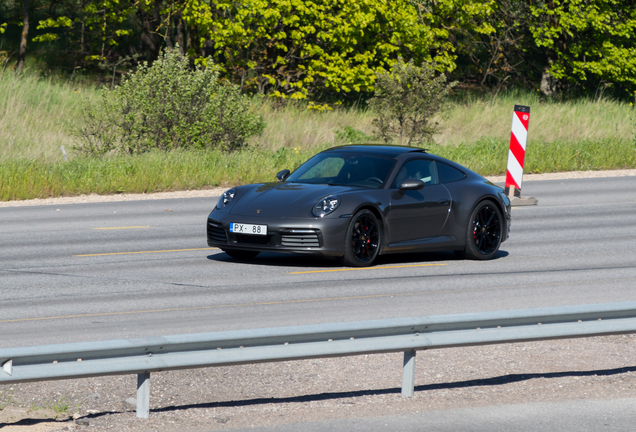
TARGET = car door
(417,214)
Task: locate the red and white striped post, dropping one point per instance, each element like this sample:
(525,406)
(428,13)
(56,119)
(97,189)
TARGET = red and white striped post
(517,155)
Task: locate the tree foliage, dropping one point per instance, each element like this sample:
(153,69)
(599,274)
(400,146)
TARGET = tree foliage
(588,41)
(406,99)
(298,48)
(332,49)
(167,106)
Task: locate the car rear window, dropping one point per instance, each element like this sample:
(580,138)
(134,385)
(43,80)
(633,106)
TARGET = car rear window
(448,174)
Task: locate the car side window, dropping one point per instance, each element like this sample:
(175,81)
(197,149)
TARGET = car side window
(448,174)
(420,169)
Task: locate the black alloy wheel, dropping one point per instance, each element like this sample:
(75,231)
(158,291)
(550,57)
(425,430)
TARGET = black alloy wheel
(241,254)
(483,236)
(362,243)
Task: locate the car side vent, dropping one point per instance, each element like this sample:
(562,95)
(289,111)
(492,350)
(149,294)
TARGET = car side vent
(300,238)
(216,233)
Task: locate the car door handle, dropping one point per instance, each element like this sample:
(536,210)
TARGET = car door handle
(443,202)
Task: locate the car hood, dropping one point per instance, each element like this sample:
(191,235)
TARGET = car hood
(282,199)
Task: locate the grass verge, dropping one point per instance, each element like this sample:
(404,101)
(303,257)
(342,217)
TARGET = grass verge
(32,178)
(36,114)
(151,172)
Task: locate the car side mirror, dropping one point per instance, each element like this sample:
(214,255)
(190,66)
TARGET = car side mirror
(412,184)
(281,176)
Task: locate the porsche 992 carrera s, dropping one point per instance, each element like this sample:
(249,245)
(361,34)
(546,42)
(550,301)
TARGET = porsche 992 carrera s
(361,201)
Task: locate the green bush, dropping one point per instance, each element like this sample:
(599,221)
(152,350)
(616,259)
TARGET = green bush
(167,106)
(349,135)
(405,100)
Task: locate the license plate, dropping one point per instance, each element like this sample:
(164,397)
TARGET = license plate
(248,229)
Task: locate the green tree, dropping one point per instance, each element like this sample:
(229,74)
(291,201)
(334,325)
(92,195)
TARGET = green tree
(286,48)
(505,56)
(587,43)
(300,49)
(406,98)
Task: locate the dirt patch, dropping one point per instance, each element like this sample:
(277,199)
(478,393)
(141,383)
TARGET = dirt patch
(18,419)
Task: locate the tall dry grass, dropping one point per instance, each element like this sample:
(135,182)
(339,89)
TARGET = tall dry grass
(476,117)
(296,126)
(36,114)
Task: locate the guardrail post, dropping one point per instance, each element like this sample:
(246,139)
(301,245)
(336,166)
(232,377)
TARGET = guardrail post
(408,374)
(143,395)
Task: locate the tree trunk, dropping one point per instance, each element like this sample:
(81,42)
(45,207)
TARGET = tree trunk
(149,36)
(180,33)
(82,30)
(168,36)
(548,83)
(23,40)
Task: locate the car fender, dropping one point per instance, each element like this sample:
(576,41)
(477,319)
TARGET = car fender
(464,201)
(376,200)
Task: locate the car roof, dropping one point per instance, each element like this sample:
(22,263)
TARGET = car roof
(378,149)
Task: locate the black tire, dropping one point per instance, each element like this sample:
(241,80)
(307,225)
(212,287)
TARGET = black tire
(362,241)
(484,232)
(241,254)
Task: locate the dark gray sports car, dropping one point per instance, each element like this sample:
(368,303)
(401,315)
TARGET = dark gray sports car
(358,202)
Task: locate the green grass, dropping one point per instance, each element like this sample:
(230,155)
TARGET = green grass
(61,406)
(36,114)
(152,172)
(489,156)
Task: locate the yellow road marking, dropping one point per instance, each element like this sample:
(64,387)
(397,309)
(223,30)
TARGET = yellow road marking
(144,252)
(366,268)
(314,300)
(129,227)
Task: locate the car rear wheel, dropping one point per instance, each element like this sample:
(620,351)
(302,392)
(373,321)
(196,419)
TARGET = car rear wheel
(241,254)
(484,232)
(362,242)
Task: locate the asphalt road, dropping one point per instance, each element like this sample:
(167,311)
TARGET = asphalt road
(96,271)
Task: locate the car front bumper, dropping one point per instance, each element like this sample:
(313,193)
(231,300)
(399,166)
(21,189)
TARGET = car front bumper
(310,236)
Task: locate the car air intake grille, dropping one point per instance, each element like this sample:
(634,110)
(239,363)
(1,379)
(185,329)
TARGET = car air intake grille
(252,239)
(300,238)
(216,233)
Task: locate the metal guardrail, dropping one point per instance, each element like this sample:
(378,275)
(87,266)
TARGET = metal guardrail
(142,356)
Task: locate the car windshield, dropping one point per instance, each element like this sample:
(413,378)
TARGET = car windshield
(344,169)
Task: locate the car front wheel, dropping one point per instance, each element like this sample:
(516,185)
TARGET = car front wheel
(484,233)
(362,242)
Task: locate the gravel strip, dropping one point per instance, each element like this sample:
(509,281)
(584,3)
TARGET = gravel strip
(215,192)
(269,394)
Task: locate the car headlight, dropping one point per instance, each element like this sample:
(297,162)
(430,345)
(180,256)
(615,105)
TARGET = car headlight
(326,206)
(226,198)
